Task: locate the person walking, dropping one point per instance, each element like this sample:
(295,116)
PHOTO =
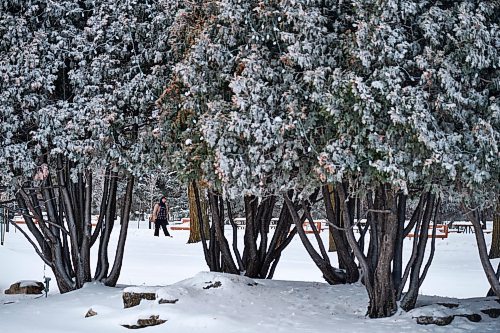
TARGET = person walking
(160,217)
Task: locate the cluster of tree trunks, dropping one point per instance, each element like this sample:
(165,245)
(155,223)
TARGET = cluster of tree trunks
(378,261)
(63,236)
(261,253)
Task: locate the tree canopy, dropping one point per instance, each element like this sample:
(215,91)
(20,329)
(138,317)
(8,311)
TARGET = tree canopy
(288,94)
(80,79)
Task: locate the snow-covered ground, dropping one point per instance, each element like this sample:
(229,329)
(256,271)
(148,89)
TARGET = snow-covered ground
(296,301)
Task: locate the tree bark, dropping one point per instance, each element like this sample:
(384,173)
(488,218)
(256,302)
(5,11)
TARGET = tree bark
(194,217)
(236,251)
(44,247)
(69,209)
(367,275)
(332,247)
(495,240)
(113,276)
(64,235)
(87,227)
(204,234)
(335,219)
(260,256)
(217,209)
(280,240)
(371,221)
(384,300)
(103,207)
(483,253)
(397,269)
(50,248)
(491,292)
(376,270)
(330,274)
(250,255)
(436,221)
(410,299)
(108,224)
(416,222)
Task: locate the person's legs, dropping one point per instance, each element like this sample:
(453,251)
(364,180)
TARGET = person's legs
(157,229)
(165,229)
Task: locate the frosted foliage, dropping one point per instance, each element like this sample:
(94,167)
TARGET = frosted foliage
(79,79)
(424,95)
(253,84)
(281,95)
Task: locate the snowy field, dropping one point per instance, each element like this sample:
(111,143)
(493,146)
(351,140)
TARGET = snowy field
(296,301)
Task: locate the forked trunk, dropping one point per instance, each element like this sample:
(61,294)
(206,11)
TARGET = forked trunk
(415,263)
(113,276)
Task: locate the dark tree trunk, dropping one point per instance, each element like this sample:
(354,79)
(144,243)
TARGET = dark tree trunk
(384,300)
(107,227)
(410,298)
(214,251)
(217,208)
(280,240)
(44,247)
(87,227)
(72,223)
(113,276)
(373,250)
(495,241)
(251,258)
(235,237)
(397,270)
(332,247)
(195,219)
(415,222)
(337,230)
(366,270)
(203,233)
(483,253)
(330,274)
(260,255)
(376,269)
(50,249)
(102,209)
(491,292)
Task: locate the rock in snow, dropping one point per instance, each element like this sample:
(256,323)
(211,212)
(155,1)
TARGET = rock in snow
(26,287)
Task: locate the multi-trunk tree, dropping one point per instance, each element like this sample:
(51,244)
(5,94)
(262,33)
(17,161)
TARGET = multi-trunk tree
(383,103)
(413,112)
(77,95)
(247,68)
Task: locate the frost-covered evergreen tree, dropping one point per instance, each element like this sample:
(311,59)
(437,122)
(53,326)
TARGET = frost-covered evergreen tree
(389,100)
(242,110)
(79,82)
(257,67)
(415,108)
